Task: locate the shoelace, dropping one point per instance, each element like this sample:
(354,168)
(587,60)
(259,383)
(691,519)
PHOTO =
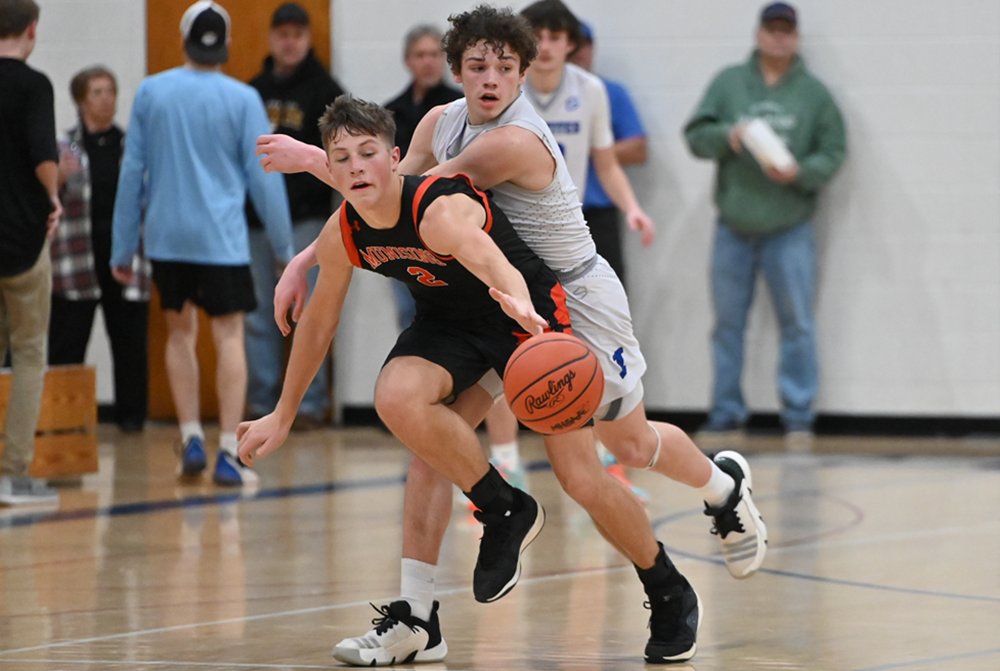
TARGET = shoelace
(727,522)
(663,620)
(387,621)
(495,533)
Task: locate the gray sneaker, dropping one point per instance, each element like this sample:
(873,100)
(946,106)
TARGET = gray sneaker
(20,490)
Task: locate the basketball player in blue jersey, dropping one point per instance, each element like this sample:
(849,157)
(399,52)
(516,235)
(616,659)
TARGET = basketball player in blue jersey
(476,286)
(495,136)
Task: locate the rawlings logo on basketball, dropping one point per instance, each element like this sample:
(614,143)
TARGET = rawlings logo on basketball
(552,396)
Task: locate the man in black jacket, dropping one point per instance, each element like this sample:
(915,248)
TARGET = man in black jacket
(296,89)
(424,58)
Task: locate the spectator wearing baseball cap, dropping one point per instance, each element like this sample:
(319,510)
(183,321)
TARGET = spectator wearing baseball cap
(765,216)
(296,89)
(188,167)
(205,28)
(779,11)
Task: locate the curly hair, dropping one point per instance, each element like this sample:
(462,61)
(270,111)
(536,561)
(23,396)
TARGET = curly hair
(501,29)
(356,117)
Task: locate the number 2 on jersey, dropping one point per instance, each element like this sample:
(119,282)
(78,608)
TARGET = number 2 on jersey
(425,277)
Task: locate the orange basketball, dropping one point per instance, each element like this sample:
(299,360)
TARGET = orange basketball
(553,383)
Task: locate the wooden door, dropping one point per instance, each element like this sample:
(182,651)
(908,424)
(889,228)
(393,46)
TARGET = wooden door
(251,20)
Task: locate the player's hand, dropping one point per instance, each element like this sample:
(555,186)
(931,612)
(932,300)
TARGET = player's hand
(281,153)
(782,176)
(520,311)
(291,292)
(260,437)
(638,220)
(736,136)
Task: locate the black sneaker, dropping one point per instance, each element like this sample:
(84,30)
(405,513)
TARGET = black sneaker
(673,622)
(398,638)
(505,536)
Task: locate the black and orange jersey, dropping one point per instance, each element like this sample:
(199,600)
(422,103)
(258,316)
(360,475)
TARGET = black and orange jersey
(441,286)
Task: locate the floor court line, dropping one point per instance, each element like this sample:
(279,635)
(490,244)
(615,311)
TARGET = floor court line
(289,613)
(164,664)
(915,663)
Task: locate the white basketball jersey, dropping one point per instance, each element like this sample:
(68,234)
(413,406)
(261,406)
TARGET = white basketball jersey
(579,115)
(549,221)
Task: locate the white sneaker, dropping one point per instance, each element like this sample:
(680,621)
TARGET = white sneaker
(398,638)
(23,490)
(738,523)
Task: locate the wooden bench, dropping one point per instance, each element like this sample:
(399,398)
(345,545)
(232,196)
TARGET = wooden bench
(66,443)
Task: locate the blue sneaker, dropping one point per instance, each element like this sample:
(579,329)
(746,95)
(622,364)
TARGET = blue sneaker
(193,456)
(231,472)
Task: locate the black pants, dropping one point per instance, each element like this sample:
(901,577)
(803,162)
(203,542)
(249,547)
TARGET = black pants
(606,231)
(126,322)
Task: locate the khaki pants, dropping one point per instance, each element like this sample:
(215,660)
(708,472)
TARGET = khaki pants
(24,325)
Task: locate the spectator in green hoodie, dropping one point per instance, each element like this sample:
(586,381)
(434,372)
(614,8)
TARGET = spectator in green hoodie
(765,214)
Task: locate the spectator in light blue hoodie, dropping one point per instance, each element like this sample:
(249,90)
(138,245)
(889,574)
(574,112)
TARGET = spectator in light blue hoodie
(189,164)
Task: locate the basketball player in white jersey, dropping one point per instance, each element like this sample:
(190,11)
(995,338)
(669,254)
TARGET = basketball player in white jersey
(574,104)
(495,136)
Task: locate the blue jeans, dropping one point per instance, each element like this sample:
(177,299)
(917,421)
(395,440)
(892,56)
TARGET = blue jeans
(265,346)
(788,263)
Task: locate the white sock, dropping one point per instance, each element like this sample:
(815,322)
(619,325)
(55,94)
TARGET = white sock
(228,442)
(719,487)
(416,586)
(506,453)
(189,429)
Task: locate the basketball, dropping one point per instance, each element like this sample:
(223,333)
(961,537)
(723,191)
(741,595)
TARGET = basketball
(553,383)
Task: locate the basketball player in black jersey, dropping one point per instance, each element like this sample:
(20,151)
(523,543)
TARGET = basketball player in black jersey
(477,287)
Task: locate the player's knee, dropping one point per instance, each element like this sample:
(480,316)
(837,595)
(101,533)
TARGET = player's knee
(580,484)
(633,451)
(392,403)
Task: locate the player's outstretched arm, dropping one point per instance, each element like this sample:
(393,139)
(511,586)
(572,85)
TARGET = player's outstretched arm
(420,156)
(507,154)
(312,340)
(281,153)
(453,226)
(292,289)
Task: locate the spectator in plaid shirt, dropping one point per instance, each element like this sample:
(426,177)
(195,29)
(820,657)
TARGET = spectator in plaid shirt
(89,156)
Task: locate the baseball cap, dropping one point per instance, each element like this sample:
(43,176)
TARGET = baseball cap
(586,33)
(779,10)
(205,28)
(290,12)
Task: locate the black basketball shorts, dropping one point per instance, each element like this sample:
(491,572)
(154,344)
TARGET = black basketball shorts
(219,290)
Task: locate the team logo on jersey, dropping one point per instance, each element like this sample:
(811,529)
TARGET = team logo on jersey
(572,103)
(376,256)
(619,358)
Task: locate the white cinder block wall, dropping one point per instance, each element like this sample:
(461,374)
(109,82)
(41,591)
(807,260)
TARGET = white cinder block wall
(909,231)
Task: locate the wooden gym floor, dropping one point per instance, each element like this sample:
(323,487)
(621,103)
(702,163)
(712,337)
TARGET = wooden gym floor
(878,561)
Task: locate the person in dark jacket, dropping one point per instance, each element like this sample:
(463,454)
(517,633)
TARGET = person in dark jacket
(424,58)
(296,89)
